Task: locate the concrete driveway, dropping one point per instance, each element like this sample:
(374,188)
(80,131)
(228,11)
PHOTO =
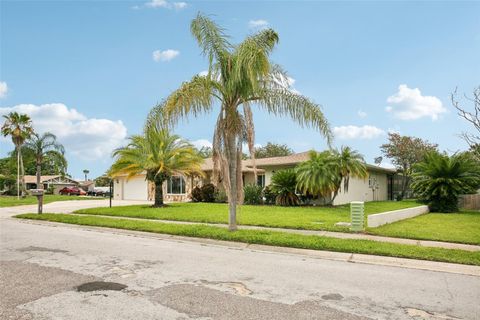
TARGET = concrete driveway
(43,265)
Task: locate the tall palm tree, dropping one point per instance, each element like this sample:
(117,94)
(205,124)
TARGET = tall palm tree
(159,154)
(440,179)
(19,128)
(86,172)
(238,77)
(45,146)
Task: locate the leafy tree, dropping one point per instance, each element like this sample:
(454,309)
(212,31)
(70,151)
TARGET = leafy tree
(473,117)
(102,181)
(284,185)
(159,154)
(273,150)
(19,128)
(405,152)
(44,147)
(440,179)
(205,152)
(239,76)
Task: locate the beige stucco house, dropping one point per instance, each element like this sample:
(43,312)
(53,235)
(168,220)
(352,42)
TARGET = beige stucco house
(377,187)
(57,182)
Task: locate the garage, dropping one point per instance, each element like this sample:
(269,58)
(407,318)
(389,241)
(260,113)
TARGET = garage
(135,188)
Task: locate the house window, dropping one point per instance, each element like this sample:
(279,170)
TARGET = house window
(261,180)
(176,185)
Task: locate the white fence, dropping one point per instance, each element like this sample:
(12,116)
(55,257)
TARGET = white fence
(376,220)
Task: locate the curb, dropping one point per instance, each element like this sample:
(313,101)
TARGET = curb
(315,254)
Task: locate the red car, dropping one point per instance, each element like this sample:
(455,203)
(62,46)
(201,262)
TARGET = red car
(72,191)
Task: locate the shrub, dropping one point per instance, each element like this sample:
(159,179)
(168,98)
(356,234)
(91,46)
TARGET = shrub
(283,184)
(440,179)
(49,190)
(196,194)
(269,195)
(208,192)
(252,194)
(220,196)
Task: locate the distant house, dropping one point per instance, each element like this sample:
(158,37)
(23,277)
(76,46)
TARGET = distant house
(87,186)
(377,187)
(57,182)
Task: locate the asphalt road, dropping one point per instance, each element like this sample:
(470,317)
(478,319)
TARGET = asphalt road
(43,265)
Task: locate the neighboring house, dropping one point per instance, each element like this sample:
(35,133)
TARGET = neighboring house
(87,186)
(377,187)
(58,182)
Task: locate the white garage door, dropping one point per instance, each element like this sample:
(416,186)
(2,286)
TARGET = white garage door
(135,188)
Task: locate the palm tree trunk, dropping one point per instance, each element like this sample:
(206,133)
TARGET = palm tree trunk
(232,171)
(18,174)
(39,186)
(22,172)
(159,192)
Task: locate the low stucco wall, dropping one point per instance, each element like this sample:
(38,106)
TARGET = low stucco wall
(376,220)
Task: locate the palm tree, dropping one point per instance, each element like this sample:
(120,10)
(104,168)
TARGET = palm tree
(440,179)
(238,77)
(350,164)
(284,185)
(319,175)
(324,172)
(86,172)
(19,127)
(45,147)
(159,154)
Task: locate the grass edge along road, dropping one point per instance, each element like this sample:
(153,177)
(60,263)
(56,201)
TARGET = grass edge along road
(272,238)
(12,201)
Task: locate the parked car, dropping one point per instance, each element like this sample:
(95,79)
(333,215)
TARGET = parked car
(72,191)
(100,192)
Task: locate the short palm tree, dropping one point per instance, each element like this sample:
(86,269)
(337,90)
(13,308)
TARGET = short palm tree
(238,77)
(284,185)
(45,146)
(350,164)
(319,175)
(440,179)
(19,128)
(160,155)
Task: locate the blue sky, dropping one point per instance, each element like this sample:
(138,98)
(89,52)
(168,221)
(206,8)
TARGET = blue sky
(88,71)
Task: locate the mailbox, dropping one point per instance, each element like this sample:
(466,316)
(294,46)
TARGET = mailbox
(36,192)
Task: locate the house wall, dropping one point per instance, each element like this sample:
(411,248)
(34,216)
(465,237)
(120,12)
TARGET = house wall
(135,188)
(359,189)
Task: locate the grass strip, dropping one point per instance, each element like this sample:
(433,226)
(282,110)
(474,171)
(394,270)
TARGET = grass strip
(272,238)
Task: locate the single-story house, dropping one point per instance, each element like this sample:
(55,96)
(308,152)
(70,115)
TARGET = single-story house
(87,186)
(58,182)
(377,187)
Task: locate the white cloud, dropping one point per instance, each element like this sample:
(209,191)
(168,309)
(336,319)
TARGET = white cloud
(361,113)
(3,89)
(203,73)
(165,55)
(409,104)
(201,143)
(258,24)
(164,4)
(355,132)
(86,138)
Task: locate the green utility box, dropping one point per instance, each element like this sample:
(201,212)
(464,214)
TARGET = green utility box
(357,213)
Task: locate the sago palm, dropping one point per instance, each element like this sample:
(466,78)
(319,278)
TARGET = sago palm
(440,179)
(160,155)
(46,146)
(284,185)
(19,128)
(239,76)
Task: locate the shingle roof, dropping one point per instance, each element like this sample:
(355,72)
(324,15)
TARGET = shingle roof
(33,179)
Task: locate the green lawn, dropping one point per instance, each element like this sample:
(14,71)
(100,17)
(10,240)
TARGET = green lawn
(271,238)
(463,227)
(10,201)
(311,218)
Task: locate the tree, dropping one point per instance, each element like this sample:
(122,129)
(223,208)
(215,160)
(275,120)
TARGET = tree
(405,152)
(86,172)
(284,184)
(45,146)
(159,154)
(102,181)
(205,152)
(19,128)
(273,150)
(239,76)
(473,117)
(440,179)
(324,172)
